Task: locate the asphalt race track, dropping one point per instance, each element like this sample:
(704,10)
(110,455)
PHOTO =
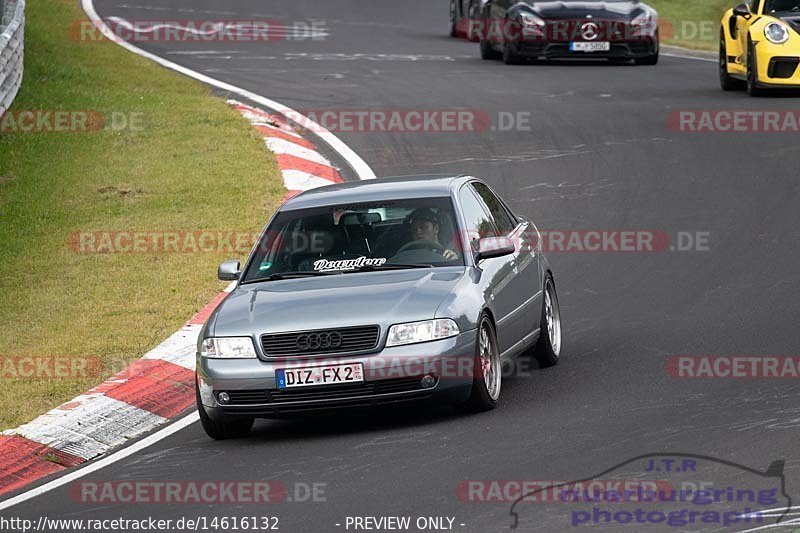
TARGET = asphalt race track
(599,155)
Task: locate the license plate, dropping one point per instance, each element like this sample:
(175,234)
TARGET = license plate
(289,378)
(600,46)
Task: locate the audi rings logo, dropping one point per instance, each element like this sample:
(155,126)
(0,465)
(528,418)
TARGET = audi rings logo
(590,31)
(324,340)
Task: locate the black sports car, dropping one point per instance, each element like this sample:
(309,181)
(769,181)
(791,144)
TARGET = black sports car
(619,30)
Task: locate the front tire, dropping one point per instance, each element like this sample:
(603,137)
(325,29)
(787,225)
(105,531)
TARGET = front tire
(548,348)
(510,56)
(752,73)
(487,52)
(487,374)
(219,429)
(726,81)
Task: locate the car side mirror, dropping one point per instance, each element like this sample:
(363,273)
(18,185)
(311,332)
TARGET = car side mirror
(229,271)
(742,11)
(491,247)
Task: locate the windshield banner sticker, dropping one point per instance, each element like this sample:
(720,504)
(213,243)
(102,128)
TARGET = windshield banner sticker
(323,265)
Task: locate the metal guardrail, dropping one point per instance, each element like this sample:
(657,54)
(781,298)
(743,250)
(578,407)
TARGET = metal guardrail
(12,45)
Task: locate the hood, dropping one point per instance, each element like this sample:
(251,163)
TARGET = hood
(576,10)
(792,20)
(358,299)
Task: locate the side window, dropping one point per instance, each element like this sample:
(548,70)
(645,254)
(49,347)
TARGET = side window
(505,224)
(478,223)
(753,5)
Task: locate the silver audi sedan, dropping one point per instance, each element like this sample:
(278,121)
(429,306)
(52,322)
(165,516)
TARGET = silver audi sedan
(377,292)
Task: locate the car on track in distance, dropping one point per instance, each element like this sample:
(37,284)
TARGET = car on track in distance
(759,46)
(617,30)
(375,293)
(463,14)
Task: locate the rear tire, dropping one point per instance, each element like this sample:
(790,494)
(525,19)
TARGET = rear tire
(726,81)
(221,430)
(487,370)
(548,348)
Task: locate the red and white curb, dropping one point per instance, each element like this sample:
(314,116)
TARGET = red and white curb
(159,386)
(301,164)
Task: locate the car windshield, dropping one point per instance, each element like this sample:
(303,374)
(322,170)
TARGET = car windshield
(413,233)
(780,6)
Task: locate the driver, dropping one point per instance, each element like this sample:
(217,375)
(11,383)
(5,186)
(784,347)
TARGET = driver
(425,227)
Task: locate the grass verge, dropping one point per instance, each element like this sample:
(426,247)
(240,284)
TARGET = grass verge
(691,23)
(191,163)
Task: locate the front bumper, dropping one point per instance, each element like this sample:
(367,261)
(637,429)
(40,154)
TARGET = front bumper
(633,49)
(392,375)
(776,66)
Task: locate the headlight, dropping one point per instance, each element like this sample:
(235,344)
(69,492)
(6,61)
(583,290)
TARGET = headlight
(531,20)
(641,19)
(645,24)
(427,330)
(776,33)
(228,348)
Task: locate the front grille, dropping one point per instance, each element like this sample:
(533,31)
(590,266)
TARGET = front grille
(337,340)
(565,30)
(324,392)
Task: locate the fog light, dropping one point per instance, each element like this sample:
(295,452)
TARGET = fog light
(223,397)
(427,382)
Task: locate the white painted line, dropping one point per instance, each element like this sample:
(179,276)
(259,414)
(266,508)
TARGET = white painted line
(359,166)
(205,53)
(104,462)
(297,180)
(681,56)
(284,147)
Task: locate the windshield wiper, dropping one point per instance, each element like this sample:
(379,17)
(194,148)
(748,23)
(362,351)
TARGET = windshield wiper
(292,275)
(391,266)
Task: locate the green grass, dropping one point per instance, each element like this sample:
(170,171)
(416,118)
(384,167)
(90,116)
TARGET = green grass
(693,23)
(195,164)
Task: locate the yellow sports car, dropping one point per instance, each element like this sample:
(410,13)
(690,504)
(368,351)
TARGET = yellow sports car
(760,46)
